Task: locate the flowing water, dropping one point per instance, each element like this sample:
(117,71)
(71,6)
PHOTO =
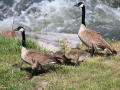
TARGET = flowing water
(61,16)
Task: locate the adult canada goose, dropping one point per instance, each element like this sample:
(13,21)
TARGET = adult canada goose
(75,54)
(33,57)
(91,38)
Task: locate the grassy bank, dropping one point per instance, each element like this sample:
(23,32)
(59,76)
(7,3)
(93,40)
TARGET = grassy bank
(96,73)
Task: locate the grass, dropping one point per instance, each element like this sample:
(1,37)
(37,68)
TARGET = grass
(96,73)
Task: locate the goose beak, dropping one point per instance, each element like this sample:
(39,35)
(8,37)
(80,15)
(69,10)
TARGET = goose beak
(76,5)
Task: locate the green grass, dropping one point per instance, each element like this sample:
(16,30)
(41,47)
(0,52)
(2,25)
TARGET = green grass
(96,73)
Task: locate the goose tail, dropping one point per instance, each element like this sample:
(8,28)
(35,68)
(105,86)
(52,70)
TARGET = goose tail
(113,51)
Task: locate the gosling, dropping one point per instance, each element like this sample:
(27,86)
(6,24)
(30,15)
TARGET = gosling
(76,55)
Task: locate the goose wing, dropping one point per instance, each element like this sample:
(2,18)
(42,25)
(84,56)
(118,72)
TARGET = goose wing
(89,36)
(40,57)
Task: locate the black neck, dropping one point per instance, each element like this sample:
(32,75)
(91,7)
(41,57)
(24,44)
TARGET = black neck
(83,15)
(23,39)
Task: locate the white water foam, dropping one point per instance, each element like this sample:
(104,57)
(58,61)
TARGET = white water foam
(62,16)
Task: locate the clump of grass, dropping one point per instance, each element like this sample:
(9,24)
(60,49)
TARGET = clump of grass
(11,45)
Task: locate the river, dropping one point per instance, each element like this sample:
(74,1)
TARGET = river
(61,16)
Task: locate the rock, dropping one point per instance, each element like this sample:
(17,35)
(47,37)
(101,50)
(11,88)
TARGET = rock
(53,41)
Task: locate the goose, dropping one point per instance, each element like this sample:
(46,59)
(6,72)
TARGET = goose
(33,57)
(75,54)
(91,38)
(60,57)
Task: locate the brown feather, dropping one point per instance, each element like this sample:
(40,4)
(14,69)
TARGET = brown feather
(87,36)
(39,57)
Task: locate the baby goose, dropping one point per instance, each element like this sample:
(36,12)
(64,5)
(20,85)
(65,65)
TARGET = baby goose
(91,38)
(33,57)
(75,54)
(58,55)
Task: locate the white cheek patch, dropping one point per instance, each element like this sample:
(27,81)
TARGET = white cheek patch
(21,30)
(81,5)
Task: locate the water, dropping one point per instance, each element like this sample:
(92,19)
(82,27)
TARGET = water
(61,16)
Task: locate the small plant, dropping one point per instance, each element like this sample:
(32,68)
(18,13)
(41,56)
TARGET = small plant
(78,46)
(63,42)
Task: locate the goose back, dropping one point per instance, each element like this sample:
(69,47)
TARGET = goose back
(32,56)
